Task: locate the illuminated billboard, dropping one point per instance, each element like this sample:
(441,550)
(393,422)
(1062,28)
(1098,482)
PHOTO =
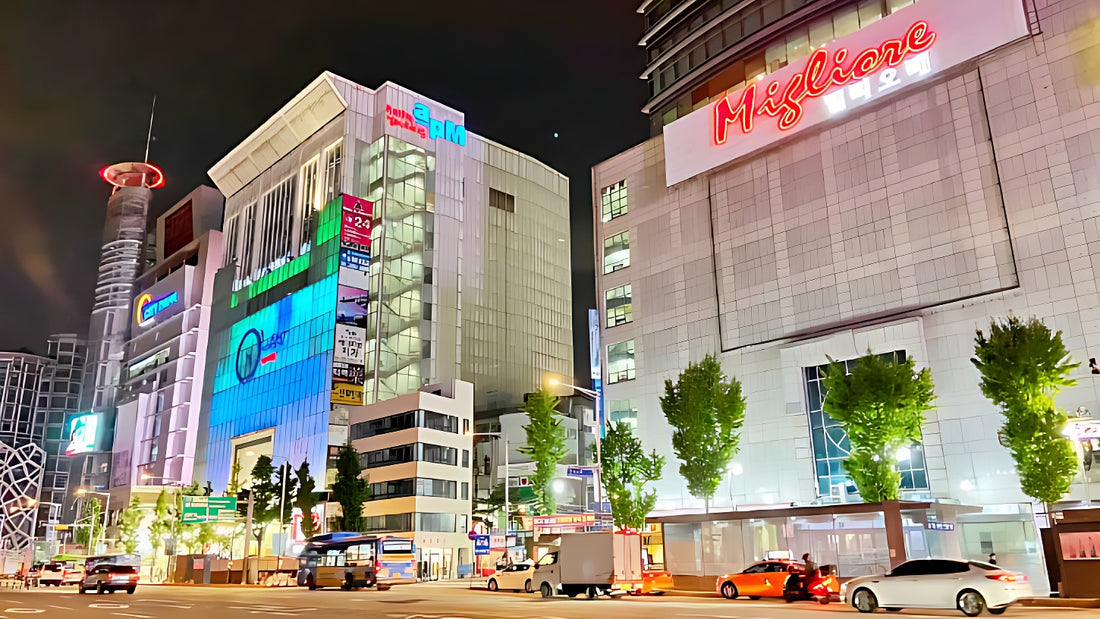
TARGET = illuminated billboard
(82,434)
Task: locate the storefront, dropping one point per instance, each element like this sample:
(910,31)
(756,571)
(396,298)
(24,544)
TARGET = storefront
(859,539)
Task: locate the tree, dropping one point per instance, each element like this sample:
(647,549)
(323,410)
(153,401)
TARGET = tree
(265,498)
(880,405)
(88,536)
(162,523)
(284,497)
(494,504)
(128,524)
(625,470)
(706,411)
(350,490)
(194,536)
(304,499)
(545,445)
(234,478)
(1023,367)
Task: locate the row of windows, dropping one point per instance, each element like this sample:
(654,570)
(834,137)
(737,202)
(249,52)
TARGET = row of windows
(413,452)
(411,419)
(434,523)
(782,51)
(317,183)
(501,200)
(418,486)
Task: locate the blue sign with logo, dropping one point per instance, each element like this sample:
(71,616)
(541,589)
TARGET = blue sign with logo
(255,350)
(481,545)
(579,471)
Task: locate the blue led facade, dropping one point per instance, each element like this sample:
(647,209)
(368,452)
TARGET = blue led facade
(273,371)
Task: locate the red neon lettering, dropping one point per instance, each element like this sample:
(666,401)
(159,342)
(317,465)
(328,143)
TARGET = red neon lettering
(815,79)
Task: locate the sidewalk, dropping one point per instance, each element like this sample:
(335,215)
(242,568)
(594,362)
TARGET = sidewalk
(1061,602)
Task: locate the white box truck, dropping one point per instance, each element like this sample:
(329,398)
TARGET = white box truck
(593,564)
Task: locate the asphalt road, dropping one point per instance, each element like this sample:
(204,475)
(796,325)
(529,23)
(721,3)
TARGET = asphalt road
(424,601)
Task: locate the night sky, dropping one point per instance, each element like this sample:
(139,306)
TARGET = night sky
(77,80)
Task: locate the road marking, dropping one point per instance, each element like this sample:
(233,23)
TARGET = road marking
(24,611)
(107,605)
(133,615)
(61,607)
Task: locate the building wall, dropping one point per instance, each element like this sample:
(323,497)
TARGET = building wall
(60,400)
(903,226)
(23,418)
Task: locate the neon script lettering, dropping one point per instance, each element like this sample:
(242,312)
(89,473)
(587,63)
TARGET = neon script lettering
(421,122)
(819,75)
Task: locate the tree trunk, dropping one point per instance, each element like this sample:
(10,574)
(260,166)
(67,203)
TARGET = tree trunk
(706,504)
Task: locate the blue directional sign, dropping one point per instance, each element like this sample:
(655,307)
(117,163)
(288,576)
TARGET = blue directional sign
(481,545)
(579,471)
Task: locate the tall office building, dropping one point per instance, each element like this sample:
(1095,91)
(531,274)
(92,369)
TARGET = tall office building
(22,458)
(374,246)
(832,177)
(122,258)
(60,401)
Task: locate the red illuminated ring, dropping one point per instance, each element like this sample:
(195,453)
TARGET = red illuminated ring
(133,174)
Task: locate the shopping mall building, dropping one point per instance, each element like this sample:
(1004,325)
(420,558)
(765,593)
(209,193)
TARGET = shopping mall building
(828,177)
(375,247)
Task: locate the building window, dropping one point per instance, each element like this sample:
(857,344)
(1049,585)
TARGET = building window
(625,411)
(503,201)
(465,490)
(436,523)
(618,306)
(613,201)
(616,252)
(277,207)
(404,421)
(413,486)
(230,240)
(248,233)
(620,362)
(830,441)
(310,198)
(389,522)
(332,156)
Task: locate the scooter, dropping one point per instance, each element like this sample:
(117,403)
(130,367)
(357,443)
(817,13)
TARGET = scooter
(820,584)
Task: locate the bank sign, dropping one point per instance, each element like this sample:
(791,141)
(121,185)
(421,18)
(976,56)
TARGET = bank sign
(421,122)
(917,42)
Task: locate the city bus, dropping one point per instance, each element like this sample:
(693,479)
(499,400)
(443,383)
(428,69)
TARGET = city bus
(396,560)
(344,560)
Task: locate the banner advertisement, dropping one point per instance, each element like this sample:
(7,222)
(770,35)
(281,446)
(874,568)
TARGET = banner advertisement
(352,302)
(597,368)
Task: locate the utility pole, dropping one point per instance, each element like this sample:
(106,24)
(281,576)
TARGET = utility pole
(247,538)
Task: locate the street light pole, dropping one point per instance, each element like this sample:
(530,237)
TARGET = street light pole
(106,510)
(595,395)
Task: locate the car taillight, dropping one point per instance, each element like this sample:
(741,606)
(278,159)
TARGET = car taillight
(1004,577)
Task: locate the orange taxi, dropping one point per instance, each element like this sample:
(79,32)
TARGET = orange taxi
(656,582)
(761,579)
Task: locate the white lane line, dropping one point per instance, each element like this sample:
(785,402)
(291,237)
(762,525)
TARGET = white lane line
(61,607)
(133,615)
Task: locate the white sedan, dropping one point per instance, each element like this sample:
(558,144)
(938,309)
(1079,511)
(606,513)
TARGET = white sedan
(516,577)
(969,586)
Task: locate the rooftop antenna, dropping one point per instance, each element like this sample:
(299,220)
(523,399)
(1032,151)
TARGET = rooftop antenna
(149,137)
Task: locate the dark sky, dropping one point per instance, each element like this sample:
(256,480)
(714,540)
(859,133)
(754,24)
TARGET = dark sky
(77,79)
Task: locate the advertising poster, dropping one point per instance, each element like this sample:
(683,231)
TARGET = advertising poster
(350,344)
(351,306)
(596,366)
(355,228)
(1080,546)
(343,393)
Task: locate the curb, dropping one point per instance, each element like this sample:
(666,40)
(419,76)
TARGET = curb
(1061,602)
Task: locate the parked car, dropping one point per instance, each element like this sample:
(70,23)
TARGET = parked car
(516,577)
(51,574)
(655,582)
(761,579)
(106,578)
(73,575)
(969,586)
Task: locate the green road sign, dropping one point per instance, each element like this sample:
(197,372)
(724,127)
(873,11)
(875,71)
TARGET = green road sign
(200,509)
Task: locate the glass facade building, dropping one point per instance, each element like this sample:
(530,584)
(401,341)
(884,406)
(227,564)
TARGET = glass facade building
(453,264)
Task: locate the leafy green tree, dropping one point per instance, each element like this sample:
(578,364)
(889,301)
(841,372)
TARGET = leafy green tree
(89,535)
(163,521)
(1023,367)
(626,469)
(350,490)
(129,522)
(545,445)
(881,405)
(234,478)
(265,498)
(284,497)
(304,497)
(706,410)
(488,509)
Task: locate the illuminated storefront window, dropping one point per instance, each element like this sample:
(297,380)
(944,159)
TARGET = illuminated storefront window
(618,306)
(616,252)
(831,446)
(613,201)
(620,362)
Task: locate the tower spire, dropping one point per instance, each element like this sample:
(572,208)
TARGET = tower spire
(149,137)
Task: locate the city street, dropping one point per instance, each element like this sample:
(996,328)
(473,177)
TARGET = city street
(423,601)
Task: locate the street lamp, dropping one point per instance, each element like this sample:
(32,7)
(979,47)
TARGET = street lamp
(595,395)
(106,510)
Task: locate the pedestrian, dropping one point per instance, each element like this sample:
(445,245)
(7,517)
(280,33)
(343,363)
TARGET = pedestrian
(993,558)
(808,562)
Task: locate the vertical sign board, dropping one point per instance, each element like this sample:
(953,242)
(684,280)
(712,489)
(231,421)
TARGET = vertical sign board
(597,373)
(353,285)
(481,545)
